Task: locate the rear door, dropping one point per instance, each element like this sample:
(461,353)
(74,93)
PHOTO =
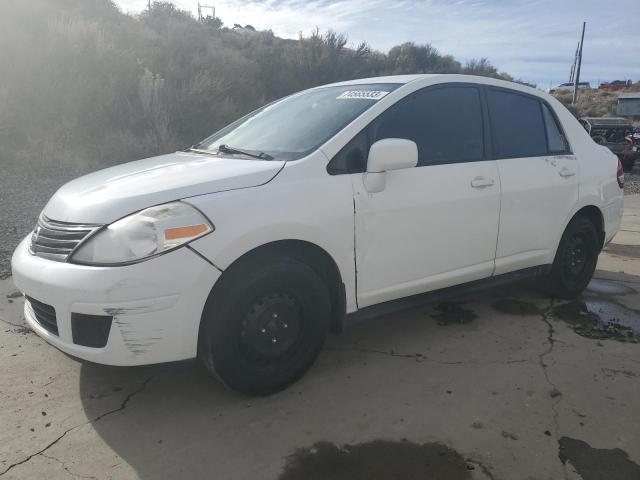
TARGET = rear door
(435,225)
(538,174)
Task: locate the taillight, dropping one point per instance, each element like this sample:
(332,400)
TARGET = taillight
(620,174)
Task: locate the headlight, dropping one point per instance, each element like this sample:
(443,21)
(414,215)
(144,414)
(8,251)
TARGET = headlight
(144,234)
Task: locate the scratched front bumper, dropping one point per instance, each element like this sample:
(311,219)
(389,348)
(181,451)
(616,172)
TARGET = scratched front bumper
(156,305)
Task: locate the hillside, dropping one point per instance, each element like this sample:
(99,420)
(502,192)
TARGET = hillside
(594,102)
(83,83)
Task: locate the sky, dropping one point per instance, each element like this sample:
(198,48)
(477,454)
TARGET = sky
(532,40)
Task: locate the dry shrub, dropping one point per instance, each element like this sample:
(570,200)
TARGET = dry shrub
(84,84)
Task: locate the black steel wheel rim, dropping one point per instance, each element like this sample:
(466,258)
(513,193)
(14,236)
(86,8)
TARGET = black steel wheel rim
(271,328)
(576,256)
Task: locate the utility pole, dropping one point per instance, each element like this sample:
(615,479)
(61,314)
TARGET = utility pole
(201,17)
(149,5)
(576,79)
(573,65)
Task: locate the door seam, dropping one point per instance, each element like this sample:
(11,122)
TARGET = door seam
(355,258)
(495,253)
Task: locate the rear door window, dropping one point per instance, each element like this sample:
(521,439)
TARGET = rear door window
(517,126)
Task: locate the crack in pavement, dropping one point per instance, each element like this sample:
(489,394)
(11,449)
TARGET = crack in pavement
(123,405)
(13,324)
(124,402)
(55,377)
(421,357)
(551,341)
(556,394)
(390,353)
(73,474)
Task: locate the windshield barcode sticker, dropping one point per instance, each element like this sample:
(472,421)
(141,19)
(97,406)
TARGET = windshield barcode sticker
(362,94)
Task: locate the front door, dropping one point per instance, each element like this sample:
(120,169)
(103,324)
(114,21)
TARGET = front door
(435,225)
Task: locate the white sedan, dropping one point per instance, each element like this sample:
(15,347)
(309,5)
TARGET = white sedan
(332,203)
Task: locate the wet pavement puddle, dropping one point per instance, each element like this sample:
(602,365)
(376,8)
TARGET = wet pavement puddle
(595,463)
(379,460)
(452,313)
(607,287)
(600,318)
(598,315)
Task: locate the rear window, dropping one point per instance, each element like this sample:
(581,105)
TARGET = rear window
(517,126)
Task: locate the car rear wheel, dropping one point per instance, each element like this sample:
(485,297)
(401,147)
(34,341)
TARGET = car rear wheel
(575,259)
(264,325)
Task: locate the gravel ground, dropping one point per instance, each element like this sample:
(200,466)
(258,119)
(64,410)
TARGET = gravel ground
(631,184)
(25,191)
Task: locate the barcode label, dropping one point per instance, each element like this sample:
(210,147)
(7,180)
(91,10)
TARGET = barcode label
(362,94)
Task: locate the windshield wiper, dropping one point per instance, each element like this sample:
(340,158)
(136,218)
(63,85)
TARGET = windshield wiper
(231,150)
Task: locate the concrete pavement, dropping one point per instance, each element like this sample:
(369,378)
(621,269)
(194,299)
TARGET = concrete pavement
(504,384)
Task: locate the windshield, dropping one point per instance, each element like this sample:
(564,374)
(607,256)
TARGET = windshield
(296,125)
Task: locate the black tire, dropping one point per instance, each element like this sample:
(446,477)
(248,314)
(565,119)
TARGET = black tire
(264,325)
(575,259)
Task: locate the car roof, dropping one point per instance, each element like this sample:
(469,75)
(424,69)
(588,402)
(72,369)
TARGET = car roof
(402,79)
(441,78)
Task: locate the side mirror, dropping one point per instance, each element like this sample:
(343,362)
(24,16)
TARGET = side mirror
(385,155)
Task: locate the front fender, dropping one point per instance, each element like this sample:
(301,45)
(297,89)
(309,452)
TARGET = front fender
(316,210)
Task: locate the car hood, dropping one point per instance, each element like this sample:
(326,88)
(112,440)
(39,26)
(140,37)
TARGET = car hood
(107,195)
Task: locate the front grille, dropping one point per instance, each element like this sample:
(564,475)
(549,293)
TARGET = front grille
(56,240)
(44,314)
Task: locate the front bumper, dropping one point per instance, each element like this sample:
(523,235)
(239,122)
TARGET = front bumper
(155,305)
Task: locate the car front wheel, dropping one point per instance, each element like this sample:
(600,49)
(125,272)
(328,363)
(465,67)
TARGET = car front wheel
(264,325)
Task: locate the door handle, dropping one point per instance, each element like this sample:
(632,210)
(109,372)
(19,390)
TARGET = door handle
(566,172)
(481,182)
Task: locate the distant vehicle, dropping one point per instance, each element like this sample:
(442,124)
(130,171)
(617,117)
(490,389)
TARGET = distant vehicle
(247,249)
(569,87)
(611,132)
(615,85)
(631,152)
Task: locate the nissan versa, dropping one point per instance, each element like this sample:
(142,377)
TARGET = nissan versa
(247,249)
